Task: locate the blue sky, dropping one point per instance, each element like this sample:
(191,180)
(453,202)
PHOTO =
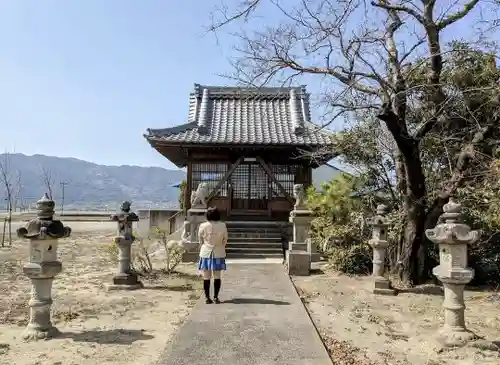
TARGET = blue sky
(85,78)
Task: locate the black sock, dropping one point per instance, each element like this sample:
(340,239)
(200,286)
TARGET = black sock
(217,284)
(206,288)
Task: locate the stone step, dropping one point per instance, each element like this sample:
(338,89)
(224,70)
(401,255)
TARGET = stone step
(251,255)
(260,250)
(258,223)
(261,232)
(273,225)
(246,228)
(251,237)
(256,245)
(255,239)
(252,229)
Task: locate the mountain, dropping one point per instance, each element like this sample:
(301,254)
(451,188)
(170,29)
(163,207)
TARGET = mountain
(88,185)
(97,187)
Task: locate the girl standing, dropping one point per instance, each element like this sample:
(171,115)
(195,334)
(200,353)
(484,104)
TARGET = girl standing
(213,239)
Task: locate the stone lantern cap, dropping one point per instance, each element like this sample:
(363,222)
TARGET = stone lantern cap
(380,225)
(44,224)
(452,230)
(380,219)
(125,215)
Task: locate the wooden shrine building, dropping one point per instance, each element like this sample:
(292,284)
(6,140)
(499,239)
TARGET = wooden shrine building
(250,145)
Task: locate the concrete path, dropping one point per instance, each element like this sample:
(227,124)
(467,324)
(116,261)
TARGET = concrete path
(261,321)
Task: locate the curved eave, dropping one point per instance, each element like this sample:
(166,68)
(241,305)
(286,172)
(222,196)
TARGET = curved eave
(177,151)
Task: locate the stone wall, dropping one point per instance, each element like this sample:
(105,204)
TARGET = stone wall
(159,218)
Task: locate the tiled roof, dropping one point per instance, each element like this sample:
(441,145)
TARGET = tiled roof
(230,115)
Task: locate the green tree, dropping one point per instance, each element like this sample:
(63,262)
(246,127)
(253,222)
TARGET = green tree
(387,64)
(182,194)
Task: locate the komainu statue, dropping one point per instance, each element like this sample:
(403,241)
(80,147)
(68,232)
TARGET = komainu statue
(299,195)
(199,198)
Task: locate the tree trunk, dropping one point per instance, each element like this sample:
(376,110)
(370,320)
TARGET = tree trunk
(10,225)
(412,260)
(4,231)
(414,198)
(414,250)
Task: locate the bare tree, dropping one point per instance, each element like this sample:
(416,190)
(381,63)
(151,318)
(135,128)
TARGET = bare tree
(5,176)
(367,56)
(48,180)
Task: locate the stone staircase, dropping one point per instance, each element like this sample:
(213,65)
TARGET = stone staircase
(254,239)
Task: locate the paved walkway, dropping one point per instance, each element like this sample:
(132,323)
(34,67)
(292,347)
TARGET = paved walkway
(261,321)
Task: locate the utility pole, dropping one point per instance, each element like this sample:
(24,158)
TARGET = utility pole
(63,185)
(18,199)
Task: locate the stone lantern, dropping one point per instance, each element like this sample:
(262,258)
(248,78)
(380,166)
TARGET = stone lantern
(125,278)
(195,216)
(298,256)
(43,233)
(453,236)
(379,243)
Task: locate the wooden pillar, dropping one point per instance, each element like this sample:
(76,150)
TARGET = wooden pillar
(189,179)
(269,194)
(308,175)
(229,192)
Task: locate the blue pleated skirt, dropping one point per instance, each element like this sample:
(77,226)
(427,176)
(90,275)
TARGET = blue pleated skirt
(212,263)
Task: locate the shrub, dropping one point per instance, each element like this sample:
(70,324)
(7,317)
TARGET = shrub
(141,259)
(173,253)
(143,252)
(481,204)
(353,259)
(339,219)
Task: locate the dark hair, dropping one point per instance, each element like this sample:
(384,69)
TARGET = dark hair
(213,214)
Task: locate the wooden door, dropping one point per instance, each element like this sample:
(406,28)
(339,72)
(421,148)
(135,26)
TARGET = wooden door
(249,189)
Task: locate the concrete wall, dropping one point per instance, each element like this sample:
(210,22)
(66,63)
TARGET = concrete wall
(159,218)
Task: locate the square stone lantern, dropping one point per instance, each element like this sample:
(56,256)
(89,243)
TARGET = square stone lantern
(298,257)
(379,243)
(43,233)
(453,236)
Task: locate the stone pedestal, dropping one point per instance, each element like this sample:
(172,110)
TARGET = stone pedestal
(301,220)
(453,236)
(43,233)
(189,253)
(298,263)
(125,278)
(196,216)
(379,243)
(292,246)
(313,250)
(298,255)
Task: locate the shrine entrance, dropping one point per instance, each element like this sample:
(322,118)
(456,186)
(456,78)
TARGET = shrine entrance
(250,189)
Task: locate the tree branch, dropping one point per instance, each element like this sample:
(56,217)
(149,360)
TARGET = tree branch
(248,7)
(457,16)
(399,8)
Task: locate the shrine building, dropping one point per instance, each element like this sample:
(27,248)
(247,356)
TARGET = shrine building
(250,145)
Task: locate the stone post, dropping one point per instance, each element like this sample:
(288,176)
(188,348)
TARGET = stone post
(196,216)
(379,244)
(453,236)
(43,233)
(125,278)
(298,256)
